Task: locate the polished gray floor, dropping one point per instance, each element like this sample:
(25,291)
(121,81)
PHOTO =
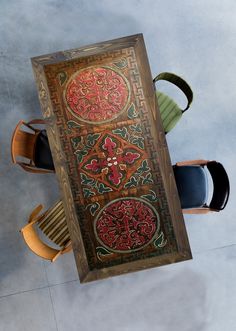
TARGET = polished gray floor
(195,39)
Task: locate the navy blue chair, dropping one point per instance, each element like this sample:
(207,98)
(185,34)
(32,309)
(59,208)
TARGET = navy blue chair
(192,185)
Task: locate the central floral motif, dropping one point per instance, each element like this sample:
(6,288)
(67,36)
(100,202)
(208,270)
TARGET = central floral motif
(126,225)
(97,94)
(112,160)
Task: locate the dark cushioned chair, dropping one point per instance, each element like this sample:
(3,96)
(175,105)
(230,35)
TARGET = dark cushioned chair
(192,185)
(43,157)
(30,148)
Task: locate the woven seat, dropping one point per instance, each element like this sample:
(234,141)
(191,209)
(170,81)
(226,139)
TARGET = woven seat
(52,224)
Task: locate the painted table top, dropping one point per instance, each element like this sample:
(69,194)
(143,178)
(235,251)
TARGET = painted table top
(111,158)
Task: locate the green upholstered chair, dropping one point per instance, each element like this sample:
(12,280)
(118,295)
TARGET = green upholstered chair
(171,113)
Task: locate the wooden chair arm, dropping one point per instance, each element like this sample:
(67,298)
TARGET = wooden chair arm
(67,249)
(192,162)
(33,216)
(35,121)
(203,210)
(33,169)
(37,245)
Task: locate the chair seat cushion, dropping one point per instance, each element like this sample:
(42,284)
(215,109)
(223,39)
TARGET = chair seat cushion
(192,185)
(169,110)
(43,157)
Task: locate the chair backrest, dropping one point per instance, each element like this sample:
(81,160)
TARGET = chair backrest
(169,110)
(53,224)
(221,186)
(23,145)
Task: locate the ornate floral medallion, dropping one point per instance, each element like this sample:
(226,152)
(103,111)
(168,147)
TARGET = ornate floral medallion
(126,225)
(111,161)
(97,94)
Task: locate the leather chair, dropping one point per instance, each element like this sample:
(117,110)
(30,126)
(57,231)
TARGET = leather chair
(192,185)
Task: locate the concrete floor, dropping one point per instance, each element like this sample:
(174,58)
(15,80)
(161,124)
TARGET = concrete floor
(195,39)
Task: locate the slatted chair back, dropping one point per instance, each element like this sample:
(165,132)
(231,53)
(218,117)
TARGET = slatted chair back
(53,224)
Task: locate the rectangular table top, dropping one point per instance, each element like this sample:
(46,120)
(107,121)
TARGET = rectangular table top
(111,158)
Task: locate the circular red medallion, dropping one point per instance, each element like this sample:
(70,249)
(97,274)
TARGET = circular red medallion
(127,224)
(97,94)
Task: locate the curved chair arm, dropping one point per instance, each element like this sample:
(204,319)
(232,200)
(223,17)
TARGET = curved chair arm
(34,170)
(37,246)
(20,123)
(67,248)
(35,121)
(193,162)
(180,83)
(203,210)
(33,216)
(221,185)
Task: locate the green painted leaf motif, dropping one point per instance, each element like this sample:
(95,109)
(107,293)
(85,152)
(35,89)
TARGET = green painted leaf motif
(136,127)
(102,251)
(102,188)
(62,76)
(151,196)
(80,154)
(148,179)
(76,141)
(86,180)
(131,183)
(94,207)
(138,141)
(160,241)
(92,138)
(132,112)
(88,193)
(72,124)
(121,64)
(144,167)
(122,132)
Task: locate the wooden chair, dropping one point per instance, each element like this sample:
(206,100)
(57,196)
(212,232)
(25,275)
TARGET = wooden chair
(52,224)
(33,146)
(170,112)
(192,185)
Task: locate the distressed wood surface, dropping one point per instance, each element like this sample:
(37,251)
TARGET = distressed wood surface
(111,158)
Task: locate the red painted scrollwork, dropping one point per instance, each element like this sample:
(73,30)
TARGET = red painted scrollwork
(127,224)
(97,94)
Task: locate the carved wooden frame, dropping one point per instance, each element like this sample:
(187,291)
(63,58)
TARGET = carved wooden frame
(46,70)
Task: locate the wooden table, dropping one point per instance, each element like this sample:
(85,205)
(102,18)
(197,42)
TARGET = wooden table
(111,158)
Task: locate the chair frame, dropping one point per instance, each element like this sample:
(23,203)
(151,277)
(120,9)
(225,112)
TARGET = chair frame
(34,242)
(206,208)
(179,82)
(23,144)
